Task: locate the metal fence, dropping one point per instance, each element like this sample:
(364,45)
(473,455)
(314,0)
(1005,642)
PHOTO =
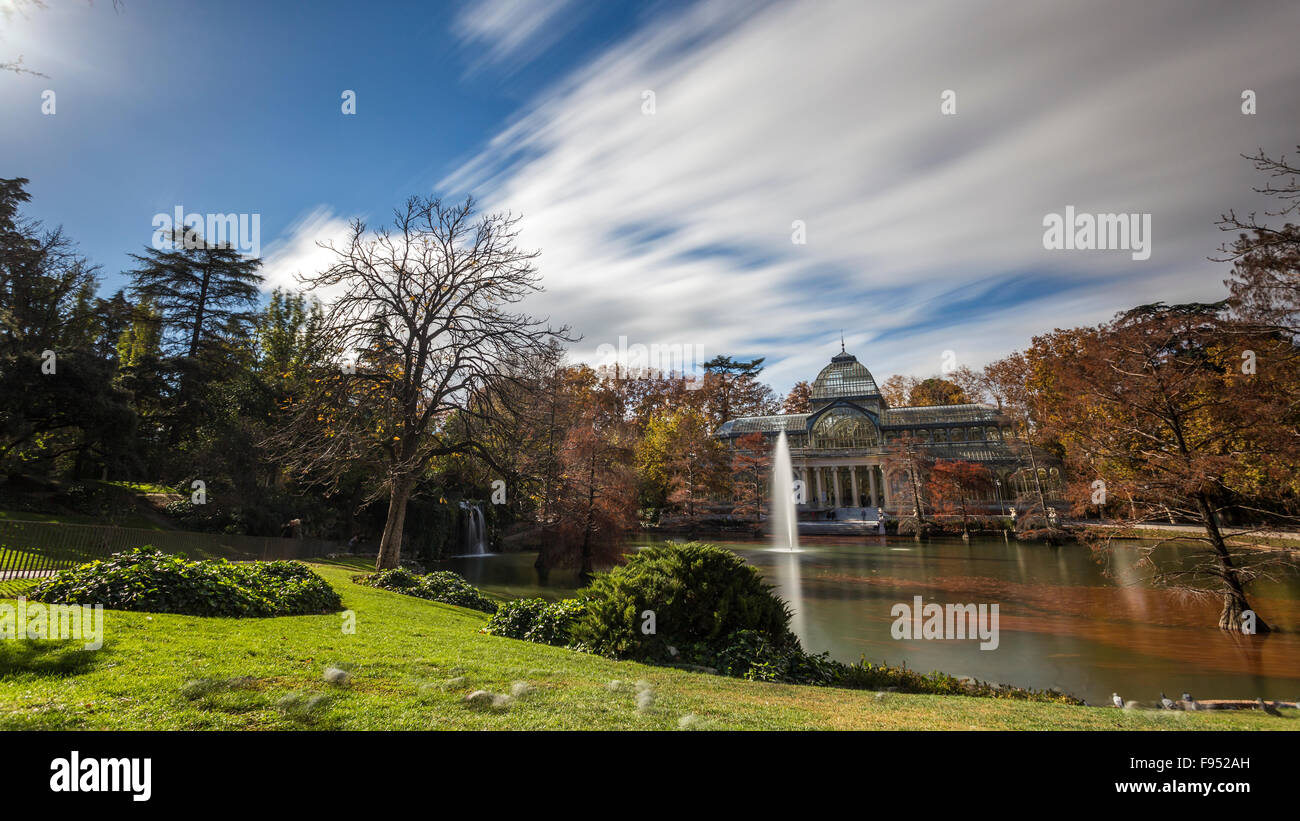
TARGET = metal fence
(37,549)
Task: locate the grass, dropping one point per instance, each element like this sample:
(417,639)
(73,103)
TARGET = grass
(413,661)
(134,520)
(143,487)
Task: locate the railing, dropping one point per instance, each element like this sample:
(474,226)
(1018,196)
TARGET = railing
(37,549)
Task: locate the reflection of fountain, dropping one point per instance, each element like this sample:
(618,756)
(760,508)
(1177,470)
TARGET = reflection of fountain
(474,531)
(785,529)
(789,582)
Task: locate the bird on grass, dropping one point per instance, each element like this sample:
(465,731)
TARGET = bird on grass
(1118,702)
(1266,707)
(1166,702)
(1189,703)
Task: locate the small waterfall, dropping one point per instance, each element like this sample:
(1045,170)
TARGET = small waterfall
(785,527)
(474,533)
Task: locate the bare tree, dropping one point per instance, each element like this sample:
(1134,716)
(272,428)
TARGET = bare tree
(420,324)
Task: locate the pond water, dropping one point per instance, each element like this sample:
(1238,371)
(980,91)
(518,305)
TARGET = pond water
(1063,621)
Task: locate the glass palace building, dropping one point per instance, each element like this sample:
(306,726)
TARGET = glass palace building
(840,449)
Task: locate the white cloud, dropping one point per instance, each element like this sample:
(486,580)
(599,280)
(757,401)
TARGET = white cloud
(513,32)
(296,251)
(828,112)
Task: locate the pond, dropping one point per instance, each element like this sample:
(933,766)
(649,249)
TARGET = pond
(1063,622)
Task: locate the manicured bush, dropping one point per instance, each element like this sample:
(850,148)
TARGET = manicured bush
(537,620)
(440,585)
(151,581)
(701,597)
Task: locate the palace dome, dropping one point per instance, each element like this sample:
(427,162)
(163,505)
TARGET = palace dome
(844,378)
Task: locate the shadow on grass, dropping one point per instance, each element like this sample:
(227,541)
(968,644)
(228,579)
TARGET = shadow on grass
(358,563)
(14,588)
(43,657)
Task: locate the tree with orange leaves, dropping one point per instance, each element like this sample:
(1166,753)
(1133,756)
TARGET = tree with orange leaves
(954,484)
(751,464)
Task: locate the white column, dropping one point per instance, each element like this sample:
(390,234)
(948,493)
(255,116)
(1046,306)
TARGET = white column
(835,483)
(871,484)
(821,497)
(853,481)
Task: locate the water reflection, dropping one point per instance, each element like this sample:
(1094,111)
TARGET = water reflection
(1064,622)
(789,586)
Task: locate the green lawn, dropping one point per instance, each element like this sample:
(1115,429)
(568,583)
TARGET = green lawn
(414,661)
(134,520)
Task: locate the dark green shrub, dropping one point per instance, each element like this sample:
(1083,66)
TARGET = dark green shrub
(440,585)
(515,618)
(151,581)
(537,620)
(555,623)
(701,596)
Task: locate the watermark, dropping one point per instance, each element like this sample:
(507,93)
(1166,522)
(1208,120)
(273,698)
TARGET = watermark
(242,232)
(1099,491)
(948,102)
(945,621)
(638,360)
(1248,362)
(947,362)
(1098,232)
(77,774)
(33,620)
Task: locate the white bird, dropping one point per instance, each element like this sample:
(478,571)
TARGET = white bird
(1166,702)
(1189,702)
(1119,702)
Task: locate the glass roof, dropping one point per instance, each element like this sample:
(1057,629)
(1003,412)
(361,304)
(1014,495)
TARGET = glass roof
(844,377)
(793,422)
(941,414)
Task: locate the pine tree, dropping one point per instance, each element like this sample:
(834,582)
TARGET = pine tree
(202,292)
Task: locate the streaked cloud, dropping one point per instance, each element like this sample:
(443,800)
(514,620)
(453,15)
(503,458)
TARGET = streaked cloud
(297,250)
(924,231)
(509,33)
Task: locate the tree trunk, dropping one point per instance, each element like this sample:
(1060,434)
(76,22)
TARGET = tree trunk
(390,545)
(1234,595)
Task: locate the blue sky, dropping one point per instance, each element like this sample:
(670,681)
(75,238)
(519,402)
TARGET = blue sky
(924,231)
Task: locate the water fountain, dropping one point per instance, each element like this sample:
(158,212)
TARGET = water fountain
(785,526)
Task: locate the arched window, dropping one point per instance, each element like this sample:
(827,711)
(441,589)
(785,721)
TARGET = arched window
(845,428)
